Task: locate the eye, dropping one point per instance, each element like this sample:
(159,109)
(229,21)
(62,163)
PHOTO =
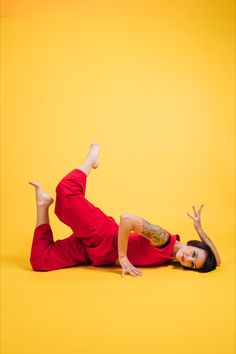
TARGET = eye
(194,254)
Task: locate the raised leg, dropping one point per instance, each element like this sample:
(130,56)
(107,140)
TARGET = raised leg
(97,231)
(72,208)
(92,229)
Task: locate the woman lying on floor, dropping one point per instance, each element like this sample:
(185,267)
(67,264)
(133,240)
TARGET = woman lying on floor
(98,240)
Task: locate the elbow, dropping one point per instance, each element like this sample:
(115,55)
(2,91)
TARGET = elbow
(125,216)
(126,219)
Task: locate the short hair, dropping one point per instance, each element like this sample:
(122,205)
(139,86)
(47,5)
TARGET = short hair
(210,262)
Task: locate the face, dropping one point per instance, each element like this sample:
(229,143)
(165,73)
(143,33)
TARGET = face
(191,257)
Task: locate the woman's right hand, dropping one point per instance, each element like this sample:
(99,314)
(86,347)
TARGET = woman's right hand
(197,217)
(128,267)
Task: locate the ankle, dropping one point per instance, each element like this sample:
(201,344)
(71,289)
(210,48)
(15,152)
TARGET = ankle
(85,167)
(43,205)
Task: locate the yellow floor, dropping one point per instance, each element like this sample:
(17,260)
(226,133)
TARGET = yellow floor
(94,310)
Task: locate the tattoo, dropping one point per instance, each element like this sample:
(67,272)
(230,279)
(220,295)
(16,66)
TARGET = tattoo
(154,233)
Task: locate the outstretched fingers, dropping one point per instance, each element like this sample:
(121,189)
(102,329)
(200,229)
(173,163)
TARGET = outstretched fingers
(194,210)
(190,216)
(128,267)
(200,209)
(131,270)
(135,271)
(196,213)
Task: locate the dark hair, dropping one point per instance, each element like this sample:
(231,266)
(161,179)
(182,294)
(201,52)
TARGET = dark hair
(210,262)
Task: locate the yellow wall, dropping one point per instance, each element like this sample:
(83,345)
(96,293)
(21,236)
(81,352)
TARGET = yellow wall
(152,81)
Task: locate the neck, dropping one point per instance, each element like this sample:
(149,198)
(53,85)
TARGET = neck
(177,247)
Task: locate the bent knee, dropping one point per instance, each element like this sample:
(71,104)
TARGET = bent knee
(44,264)
(37,263)
(60,188)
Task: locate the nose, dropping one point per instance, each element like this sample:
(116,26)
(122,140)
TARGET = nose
(189,259)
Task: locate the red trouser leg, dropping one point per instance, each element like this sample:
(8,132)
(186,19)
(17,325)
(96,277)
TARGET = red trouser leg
(91,225)
(49,255)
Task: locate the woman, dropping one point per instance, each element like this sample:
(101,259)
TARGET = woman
(98,240)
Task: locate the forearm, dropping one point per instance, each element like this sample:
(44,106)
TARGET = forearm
(203,236)
(125,228)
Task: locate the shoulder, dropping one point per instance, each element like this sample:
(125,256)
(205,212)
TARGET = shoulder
(166,243)
(171,239)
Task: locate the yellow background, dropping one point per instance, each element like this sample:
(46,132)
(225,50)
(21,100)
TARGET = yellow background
(154,83)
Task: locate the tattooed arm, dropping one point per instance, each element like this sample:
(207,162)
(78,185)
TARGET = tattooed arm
(154,233)
(128,223)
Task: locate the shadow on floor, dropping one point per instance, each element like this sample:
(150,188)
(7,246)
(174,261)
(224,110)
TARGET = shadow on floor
(21,262)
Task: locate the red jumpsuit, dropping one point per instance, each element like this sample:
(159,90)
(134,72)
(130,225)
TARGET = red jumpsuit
(95,235)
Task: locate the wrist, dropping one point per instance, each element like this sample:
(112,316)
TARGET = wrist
(198,227)
(122,256)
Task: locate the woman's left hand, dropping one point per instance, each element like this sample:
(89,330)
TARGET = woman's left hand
(197,217)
